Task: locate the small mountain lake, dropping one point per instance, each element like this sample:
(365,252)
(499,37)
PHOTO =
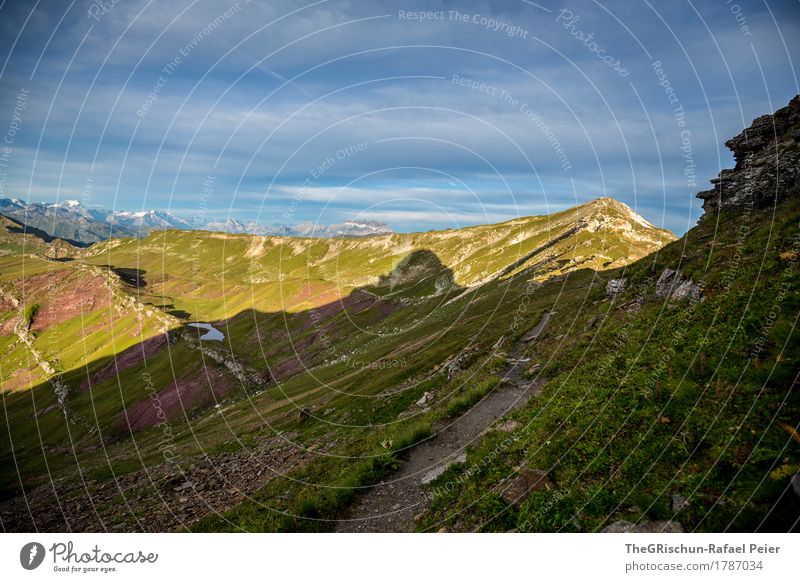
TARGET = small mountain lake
(212,333)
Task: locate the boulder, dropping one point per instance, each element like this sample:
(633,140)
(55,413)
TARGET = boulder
(671,284)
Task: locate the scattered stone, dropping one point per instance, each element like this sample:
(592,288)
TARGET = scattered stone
(623,526)
(664,419)
(616,286)
(182,486)
(459,363)
(433,474)
(528,481)
(426,397)
(632,306)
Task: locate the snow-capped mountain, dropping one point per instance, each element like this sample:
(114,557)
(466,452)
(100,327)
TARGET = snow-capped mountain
(303,229)
(69,220)
(348,228)
(74,221)
(148,220)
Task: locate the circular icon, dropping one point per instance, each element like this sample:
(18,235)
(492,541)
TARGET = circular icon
(31,555)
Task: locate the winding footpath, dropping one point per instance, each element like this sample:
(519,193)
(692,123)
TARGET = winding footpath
(393,504)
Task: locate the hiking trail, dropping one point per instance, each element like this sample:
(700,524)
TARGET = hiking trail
(392,504)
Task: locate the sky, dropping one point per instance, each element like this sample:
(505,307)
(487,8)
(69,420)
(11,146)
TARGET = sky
(422,115)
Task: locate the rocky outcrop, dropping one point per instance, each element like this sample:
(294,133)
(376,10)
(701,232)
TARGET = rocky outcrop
(767,164)
(245,375)
(674,285)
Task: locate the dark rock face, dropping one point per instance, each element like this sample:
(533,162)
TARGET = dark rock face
(767,164)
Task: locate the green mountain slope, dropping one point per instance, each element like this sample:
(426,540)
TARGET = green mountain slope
(308,323)
(658,409)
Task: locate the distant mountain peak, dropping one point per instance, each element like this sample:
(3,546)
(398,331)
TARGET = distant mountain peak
(71,220)
(68,204)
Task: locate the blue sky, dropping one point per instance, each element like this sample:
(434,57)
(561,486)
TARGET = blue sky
(323,111)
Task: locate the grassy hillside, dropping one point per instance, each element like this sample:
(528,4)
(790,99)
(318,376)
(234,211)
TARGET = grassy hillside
(349,329)
(650,398)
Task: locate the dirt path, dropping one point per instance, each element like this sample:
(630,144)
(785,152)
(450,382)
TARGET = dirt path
(391,505)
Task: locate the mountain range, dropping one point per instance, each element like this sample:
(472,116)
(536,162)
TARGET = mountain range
(71,220)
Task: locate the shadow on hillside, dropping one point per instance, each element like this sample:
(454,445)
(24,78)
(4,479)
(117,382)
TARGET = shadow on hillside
(133,277)
(280,344)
